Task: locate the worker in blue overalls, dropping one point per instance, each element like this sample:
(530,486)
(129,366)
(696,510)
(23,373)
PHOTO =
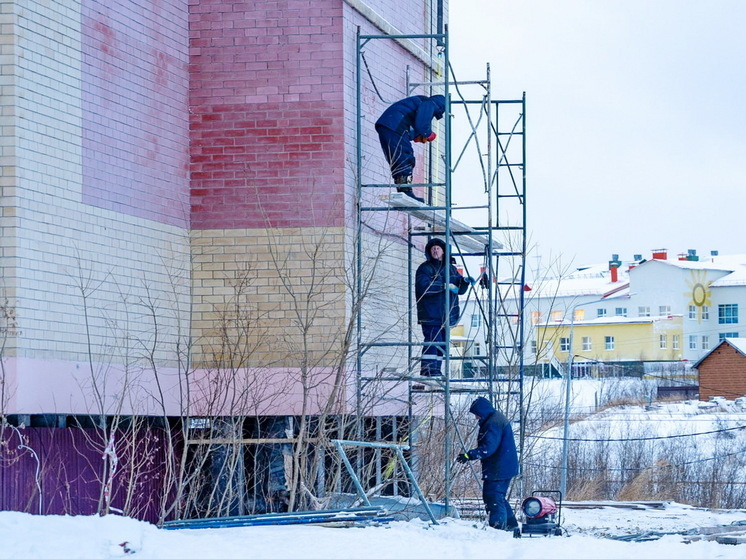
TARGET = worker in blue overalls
(404,122)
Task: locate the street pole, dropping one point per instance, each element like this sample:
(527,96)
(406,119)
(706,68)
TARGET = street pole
(566,425)
(568,398)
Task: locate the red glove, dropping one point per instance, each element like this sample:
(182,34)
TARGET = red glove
(430,138)
(419,140)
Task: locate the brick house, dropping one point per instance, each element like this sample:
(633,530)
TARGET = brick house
(722,372)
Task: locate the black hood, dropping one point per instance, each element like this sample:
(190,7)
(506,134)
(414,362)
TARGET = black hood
(431,243)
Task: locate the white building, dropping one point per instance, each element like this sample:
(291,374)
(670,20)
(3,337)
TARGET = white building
(688,303)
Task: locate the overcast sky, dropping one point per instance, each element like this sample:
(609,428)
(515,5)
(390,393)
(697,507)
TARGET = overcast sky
(636,126)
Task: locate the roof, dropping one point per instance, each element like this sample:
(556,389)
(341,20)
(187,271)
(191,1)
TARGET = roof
(697,264)
(595,279)
(736,277)
(734,265)
(739,344)
(610,320)
(592,280)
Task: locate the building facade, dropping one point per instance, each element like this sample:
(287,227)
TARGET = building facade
(178,192)
(179,206)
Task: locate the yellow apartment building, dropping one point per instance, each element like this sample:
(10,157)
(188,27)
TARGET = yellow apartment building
(611,345)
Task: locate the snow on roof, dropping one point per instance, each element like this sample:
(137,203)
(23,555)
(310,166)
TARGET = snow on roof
(727,262)
(595,279)
(733,263)
(588,280)
(739,344)
(611,320)
(736,277)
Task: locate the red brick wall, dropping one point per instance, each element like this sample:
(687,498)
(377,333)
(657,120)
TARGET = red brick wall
(266,115)
(390,69)
(723,373)
(134,108)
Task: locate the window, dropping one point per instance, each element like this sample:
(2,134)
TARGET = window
(620,311)
(705,342)
(476,320)
(664,310)
(535,317)
(533,347)
(663,341)
(693,312)
(609,343)
(727,314)
(579,315)
(600,313)
(586,343)
(478,348)
(692,342)
(643,311)
(705,312)
(675,342)
(565,345)
(724,335)
(556,316)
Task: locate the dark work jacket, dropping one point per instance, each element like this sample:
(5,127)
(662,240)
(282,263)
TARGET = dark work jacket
(495,442)
(413,115)
(430,290)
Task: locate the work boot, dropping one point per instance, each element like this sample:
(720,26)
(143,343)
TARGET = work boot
(410,193)
(406,190)
(511,524)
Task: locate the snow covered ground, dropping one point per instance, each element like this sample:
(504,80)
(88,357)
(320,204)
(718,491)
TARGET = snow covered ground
(589,532)
(24,536)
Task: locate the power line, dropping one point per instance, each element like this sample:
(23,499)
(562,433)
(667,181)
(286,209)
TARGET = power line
(642,468)
(638,439)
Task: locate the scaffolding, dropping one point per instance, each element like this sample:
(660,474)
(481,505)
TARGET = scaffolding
(484,227)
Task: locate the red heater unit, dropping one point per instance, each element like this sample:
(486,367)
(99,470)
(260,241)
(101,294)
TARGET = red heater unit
(541,514)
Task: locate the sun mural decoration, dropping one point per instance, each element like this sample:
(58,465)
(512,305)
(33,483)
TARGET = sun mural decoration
(699,291)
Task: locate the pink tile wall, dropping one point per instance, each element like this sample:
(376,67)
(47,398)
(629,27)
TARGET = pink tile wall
(266,115)
(134,106)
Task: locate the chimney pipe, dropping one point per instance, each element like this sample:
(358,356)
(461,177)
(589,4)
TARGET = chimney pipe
(636,259)
(614,264)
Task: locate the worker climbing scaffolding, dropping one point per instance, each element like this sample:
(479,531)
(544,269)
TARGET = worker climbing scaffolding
(458,355)
(430,290)
(404,122)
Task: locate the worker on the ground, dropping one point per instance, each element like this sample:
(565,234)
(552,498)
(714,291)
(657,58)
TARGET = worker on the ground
(496,449)
(402,123)
(430,291)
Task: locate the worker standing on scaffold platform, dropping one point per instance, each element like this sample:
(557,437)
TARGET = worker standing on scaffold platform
(402,123)
(496,449)
(430,290)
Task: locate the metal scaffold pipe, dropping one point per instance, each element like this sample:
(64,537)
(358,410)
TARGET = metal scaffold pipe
(496,155)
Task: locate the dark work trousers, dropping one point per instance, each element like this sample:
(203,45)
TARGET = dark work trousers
(494,494)
(397,148)
(433,355)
